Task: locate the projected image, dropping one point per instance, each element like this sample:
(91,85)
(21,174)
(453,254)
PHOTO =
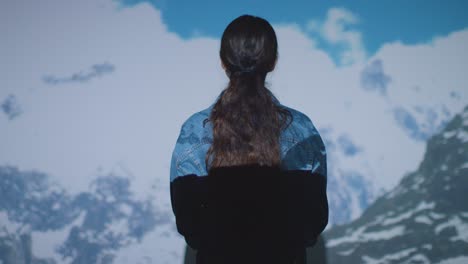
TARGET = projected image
(93,96)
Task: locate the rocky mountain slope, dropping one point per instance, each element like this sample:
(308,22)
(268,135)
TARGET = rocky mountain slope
(424,219)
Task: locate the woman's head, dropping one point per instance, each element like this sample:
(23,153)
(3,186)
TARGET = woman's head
(246,119)
(249,45)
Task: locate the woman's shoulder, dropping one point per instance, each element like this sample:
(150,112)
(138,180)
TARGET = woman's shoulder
(195,122)
(302,145)
(301,126)
(196,127)
(193,141)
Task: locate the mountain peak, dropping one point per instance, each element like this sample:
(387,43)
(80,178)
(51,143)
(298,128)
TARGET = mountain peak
(424,219)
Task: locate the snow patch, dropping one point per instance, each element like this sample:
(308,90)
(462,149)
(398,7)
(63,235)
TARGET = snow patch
(457,260)
(421,206)
(118,227)
(436,216)
(449,134)
(126,209)
(389,258)
(399,190)
(418,258)
(170,249)
(360,236)
(427,246)
(346,252)
(391,221)
(465,122)
(418,181)
(44,244)
(8,227)
(462,135)
(423,219)
(459,225)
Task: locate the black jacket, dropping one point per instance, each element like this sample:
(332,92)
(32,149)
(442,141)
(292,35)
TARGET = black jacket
(250,213)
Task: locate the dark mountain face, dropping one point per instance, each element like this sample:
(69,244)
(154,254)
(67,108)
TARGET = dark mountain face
(424,219)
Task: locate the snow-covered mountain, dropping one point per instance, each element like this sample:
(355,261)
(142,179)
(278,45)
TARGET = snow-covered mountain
(350,191)
(89,227)
(424,219)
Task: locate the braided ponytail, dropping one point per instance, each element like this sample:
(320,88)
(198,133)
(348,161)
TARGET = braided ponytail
(246,120)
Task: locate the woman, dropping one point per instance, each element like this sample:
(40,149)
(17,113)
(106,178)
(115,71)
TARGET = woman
(248,174)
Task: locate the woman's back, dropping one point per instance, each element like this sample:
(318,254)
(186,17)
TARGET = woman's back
(248,174)
(248,213)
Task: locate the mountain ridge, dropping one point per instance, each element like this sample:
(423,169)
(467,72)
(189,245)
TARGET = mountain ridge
(424,219)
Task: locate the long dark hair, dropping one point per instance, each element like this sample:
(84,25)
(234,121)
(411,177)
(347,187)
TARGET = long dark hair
(246,120)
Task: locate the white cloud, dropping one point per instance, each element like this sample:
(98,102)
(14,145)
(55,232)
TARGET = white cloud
(335,30)
(425,78)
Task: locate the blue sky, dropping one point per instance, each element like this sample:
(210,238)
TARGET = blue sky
(410,22)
